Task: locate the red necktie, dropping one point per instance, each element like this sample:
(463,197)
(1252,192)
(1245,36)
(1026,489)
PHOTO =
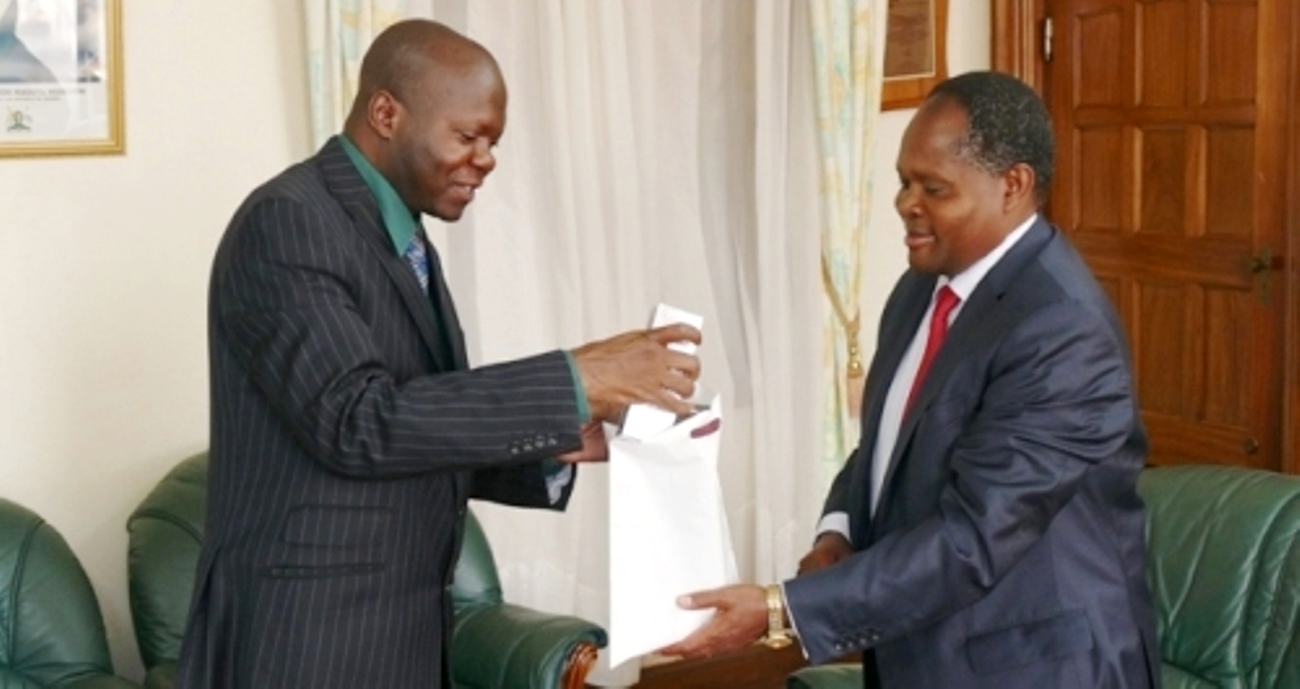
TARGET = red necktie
(944,302)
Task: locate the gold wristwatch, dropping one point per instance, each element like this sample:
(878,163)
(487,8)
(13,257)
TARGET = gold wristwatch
(778,635)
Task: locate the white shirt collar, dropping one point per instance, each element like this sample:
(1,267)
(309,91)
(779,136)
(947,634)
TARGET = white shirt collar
(965,282)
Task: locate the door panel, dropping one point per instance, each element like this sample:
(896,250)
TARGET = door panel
(1171,176)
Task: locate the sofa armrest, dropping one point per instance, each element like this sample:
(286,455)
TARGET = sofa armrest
(99,682)
(161,676)
(832,676)
(505,645)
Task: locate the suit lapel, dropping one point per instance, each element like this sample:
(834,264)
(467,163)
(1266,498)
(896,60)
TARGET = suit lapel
(898,326)
(346,184)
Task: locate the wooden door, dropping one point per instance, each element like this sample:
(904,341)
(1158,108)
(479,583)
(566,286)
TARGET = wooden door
(1171,178)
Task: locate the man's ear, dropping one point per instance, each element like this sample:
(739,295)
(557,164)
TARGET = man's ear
(383,112)
(1019,187)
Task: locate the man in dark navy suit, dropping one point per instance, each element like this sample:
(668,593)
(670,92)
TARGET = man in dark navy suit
(348,430)
(986,533)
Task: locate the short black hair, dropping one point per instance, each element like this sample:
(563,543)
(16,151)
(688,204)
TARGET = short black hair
(1007,123)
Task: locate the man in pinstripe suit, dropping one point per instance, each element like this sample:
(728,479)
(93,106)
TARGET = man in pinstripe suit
(347,429)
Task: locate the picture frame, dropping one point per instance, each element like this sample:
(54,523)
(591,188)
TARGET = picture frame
(915,51)
(61,78)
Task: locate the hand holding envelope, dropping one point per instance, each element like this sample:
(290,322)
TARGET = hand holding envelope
(740,618)
(639,366)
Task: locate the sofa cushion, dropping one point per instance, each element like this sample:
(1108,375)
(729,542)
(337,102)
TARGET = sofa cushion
(166,533)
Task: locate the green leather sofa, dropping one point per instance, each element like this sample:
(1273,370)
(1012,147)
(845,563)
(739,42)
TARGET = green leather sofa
(495,645)
(1223,562)
(51,631)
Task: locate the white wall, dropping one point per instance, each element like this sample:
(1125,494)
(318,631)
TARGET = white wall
(104,265)
(886,257)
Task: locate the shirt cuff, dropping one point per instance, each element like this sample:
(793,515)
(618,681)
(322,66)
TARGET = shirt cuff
(794,624)
(584,409)
(558,477)
(837,522)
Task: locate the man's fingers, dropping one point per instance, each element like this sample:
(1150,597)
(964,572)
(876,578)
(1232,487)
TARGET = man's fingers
(638,367)
(694,646)
(676,332)
(698,600)
(686,365)
(679,385)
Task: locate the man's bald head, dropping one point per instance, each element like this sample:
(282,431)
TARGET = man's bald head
(408,58)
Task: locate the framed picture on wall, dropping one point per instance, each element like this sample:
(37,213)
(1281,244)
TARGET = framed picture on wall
(915,51)
(60,77)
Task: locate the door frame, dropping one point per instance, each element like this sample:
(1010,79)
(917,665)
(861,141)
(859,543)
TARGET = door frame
(1016,40)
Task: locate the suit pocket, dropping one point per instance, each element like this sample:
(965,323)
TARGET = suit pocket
(1051,639)
(320,541)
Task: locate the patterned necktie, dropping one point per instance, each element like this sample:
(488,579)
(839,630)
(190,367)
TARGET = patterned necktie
(418,257)
(423,264)
(944,302)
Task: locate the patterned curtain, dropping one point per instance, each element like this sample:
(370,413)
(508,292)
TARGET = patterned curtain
(848,54)
(338,33)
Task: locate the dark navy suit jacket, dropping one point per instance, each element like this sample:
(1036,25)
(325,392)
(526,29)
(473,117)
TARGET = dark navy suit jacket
(1007,548)
(340,463)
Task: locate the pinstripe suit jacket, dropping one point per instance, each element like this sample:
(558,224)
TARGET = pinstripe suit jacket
(347,435)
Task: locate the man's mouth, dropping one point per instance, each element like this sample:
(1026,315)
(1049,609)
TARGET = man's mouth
(464,192)
(915,240)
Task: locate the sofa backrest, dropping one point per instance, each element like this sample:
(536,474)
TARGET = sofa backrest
(166,533)
(51,630)
(1224,568)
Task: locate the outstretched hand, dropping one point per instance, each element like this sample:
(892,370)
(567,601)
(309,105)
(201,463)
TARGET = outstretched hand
(638,366)
(739,619)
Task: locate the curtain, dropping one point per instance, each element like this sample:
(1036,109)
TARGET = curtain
(849,48)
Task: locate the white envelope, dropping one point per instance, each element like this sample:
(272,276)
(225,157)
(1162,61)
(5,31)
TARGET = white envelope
(668,533)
